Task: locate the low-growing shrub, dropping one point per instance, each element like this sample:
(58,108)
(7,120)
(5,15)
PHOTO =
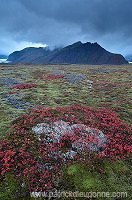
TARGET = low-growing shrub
(44,160)
(23,86)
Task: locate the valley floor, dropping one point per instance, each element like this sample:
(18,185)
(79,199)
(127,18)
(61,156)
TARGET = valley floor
(94,86)
(93,95)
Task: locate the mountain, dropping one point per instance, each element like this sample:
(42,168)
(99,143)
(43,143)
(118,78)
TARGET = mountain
(3,56)
(129,58)
(77,53)
(29,54)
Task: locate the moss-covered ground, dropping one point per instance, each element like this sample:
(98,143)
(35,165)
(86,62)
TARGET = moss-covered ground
(91,85)
(101,85)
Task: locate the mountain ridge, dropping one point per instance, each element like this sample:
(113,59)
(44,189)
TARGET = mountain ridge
(77,53)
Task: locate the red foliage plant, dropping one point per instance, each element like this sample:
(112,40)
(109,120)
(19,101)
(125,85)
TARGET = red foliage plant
(106,84)
(40,160)
(23,86)
(13,92)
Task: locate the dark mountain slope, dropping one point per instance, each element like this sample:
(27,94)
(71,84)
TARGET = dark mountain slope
(29,54)
(77,53)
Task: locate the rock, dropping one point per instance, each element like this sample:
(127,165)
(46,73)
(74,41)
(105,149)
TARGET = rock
(60,128)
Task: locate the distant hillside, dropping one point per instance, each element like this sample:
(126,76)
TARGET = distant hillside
(129,58)
(3,56)
(77,53)
(29,54)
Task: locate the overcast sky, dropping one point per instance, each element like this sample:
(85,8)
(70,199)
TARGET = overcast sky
(62,22)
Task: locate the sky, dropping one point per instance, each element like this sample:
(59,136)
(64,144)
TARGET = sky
(58,23)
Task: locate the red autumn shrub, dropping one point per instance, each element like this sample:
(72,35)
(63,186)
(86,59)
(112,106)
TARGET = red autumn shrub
(39,160)
(13,92)
(105,84)
(23,86)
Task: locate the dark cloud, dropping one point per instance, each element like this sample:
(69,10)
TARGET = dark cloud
(62,22)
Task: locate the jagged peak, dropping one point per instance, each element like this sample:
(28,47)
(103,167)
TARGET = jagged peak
(77,43)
